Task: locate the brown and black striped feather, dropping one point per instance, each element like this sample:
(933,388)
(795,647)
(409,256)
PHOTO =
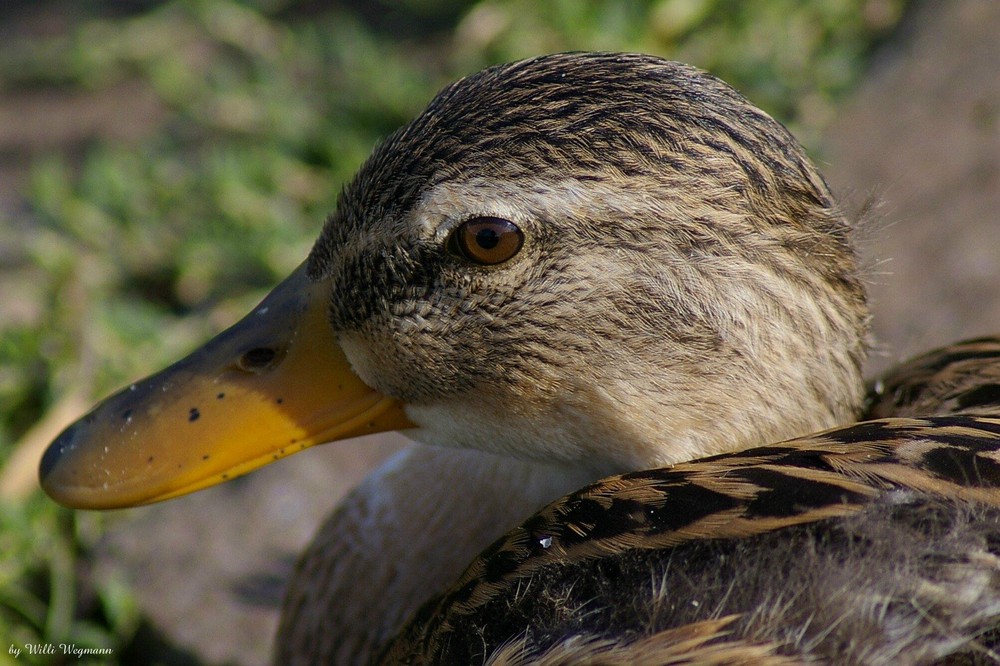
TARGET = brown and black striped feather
(624,558)
(963,378)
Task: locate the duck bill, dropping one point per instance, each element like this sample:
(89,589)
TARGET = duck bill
(275,383)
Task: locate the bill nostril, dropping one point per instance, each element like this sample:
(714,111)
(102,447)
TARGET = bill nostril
(257,359)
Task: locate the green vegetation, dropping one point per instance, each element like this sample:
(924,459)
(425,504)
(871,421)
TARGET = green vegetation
(243,120)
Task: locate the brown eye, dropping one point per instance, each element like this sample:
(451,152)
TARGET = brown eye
(486,240)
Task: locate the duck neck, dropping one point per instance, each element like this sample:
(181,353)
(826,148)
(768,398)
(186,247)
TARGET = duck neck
(402,536)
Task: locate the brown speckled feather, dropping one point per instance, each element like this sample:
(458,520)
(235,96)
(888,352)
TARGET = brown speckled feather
(963,378)
(609,562)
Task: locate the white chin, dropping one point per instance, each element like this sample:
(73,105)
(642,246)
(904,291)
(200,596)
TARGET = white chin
(459,424)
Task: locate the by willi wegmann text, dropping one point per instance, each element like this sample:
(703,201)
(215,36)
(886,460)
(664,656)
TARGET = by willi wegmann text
(64,649)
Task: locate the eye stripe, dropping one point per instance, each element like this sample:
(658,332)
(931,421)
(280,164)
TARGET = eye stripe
(486,240)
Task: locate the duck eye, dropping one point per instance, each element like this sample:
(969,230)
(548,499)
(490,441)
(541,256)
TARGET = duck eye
(486,240)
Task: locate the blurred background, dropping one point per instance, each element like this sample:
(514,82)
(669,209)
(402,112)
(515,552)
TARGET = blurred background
(163,164)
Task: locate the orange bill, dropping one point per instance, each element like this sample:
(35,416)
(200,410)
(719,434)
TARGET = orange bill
(273,384)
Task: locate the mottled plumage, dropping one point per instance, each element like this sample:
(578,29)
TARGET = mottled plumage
(876,543)
(963,378)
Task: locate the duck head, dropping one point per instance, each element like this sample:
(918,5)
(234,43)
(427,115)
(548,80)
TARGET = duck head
(599,260)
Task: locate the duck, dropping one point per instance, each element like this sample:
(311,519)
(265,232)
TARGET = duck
(605,271)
